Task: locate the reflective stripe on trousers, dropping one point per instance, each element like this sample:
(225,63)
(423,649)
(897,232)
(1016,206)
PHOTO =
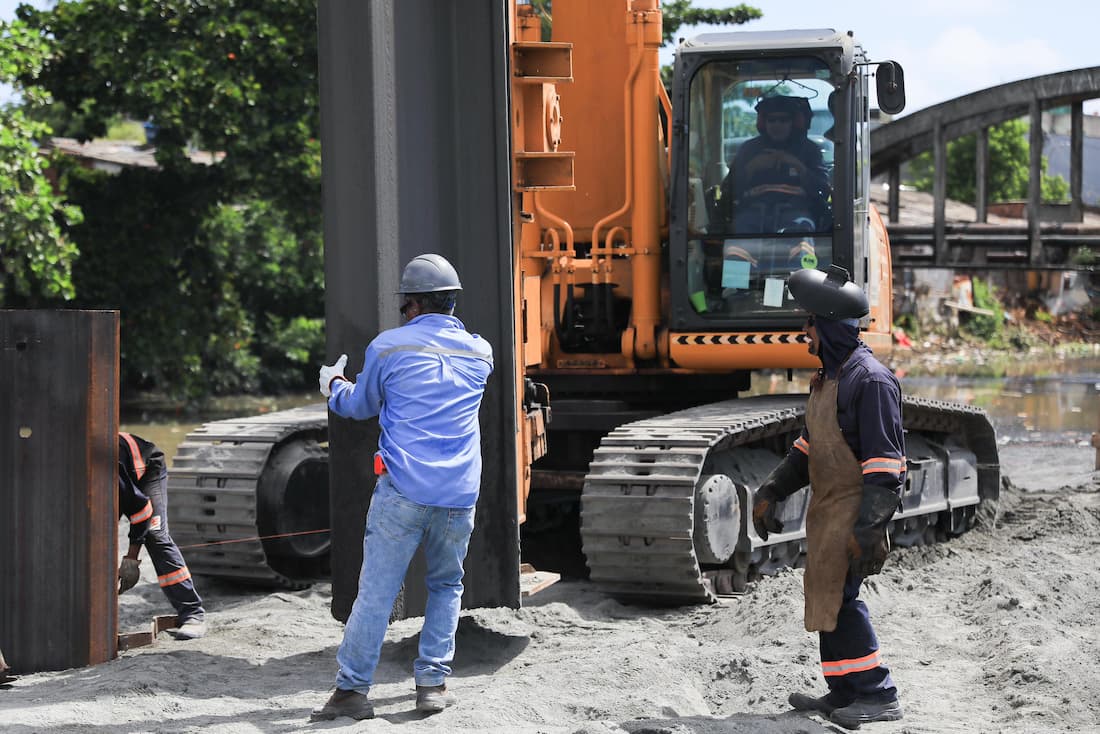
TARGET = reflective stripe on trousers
(172,572)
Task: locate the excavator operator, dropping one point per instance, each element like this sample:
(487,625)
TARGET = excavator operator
(852,454)
(778,181)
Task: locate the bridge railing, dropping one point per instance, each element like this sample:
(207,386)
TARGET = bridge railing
(930,129)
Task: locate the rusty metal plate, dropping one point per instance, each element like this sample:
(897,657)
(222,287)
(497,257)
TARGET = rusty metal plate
(58,488)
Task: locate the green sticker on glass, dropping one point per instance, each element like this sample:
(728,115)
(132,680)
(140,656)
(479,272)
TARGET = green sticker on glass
(809,261)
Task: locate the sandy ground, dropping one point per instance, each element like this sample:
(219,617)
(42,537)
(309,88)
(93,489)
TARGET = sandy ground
(995,631)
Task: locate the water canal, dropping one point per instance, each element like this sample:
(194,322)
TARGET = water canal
(1046,400)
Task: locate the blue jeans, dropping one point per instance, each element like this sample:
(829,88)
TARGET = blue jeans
(396,527)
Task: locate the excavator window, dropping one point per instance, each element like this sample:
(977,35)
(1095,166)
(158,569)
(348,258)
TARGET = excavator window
(760,181)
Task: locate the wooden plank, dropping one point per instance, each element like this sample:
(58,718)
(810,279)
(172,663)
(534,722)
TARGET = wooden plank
(532,581)
(160,623)
(163,622)
(130,640)
(969,309)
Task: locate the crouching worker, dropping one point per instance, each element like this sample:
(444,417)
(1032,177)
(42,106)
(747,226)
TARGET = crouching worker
(142,497)
(852,454)
(424,380)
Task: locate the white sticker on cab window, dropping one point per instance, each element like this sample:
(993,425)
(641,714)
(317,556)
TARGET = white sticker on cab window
(773,292)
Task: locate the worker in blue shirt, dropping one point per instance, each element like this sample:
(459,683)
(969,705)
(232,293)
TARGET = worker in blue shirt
(424,380)
(852,454)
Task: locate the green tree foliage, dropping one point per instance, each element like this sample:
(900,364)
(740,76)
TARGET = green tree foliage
(674,15)
(677,13)
(1008,167)
(35,256)
(184,329)
(238,77)
(216,265)
(990,329)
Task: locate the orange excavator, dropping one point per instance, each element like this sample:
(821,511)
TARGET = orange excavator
(653,234)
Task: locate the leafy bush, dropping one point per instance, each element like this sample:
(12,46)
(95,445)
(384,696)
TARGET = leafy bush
(1083,256)
(216,268)
(291,353)
(987,328)
(36,258)
(121,129)
(1009,163)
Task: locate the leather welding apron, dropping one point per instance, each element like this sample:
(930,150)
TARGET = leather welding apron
(836,485)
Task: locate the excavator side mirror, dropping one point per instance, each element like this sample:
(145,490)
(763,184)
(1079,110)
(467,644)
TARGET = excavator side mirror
(890,81)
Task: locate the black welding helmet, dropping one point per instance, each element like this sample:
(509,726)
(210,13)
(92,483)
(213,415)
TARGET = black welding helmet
(429,274)
(830,295)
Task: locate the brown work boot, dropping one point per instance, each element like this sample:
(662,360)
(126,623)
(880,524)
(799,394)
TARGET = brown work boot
(432,699)
(352,704)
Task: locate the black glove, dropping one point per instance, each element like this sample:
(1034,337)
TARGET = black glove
(869,544)
(784,481)
(129,571)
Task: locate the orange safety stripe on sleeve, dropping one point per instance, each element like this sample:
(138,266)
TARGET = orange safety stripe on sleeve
(802,248)
(143,514)
(171,579)
(843,667)
(135,454)
(788,189)
(802,445)
(739,252)
(884,465)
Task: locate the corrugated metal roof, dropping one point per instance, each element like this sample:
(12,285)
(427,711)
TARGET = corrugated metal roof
(126,153)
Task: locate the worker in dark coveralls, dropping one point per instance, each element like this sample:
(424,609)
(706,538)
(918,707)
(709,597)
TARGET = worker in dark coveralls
(852,454)
(424,380)
(778,180)
(142,497)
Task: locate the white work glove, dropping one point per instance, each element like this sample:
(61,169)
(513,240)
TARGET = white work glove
(330,373)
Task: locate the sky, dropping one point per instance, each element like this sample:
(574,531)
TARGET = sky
(947,47)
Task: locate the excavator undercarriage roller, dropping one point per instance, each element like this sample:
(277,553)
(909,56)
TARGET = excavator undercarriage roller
(666,505)
(250,498)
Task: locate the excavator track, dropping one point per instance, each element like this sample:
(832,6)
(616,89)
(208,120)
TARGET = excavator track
(250,495)
(641,496)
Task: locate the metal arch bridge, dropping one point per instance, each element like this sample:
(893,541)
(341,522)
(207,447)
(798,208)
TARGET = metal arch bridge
(1037,245)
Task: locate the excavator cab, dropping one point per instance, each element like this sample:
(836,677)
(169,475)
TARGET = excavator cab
(769,173)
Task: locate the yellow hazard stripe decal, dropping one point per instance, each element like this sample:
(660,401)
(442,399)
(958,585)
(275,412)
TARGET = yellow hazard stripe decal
(761,338)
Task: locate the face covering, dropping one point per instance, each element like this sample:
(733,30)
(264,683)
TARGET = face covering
(836,340)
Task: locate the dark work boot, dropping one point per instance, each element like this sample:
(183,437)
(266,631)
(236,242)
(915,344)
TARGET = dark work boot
(432,699)
(352,704)
(824,704)
(863,712)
